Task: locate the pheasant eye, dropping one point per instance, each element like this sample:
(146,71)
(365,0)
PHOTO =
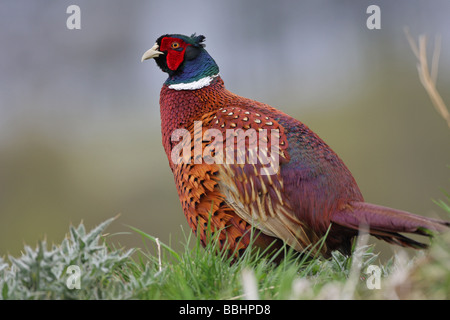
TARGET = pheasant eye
(175,45)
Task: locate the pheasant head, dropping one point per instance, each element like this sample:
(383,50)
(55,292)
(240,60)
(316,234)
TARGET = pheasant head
(185,59)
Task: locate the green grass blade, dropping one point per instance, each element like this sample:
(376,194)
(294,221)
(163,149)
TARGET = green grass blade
(152,238)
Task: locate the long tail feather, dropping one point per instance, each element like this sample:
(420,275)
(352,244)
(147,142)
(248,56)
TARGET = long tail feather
(387,223)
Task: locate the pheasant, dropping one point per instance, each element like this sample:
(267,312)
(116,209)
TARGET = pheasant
(293,190)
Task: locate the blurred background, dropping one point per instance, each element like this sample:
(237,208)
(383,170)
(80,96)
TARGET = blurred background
(79,113)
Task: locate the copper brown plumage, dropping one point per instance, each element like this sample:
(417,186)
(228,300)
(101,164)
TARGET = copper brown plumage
(310,192)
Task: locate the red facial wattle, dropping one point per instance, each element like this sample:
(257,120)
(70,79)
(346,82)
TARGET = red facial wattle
(175,56)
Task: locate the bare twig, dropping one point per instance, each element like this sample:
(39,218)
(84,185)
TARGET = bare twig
(249,284)
(429,80)
(435,59)
(348,291)
(159,253)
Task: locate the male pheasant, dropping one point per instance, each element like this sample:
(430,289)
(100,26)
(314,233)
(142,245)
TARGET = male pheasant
(295,191)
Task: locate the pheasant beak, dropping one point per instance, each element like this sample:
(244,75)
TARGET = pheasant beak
(151,53)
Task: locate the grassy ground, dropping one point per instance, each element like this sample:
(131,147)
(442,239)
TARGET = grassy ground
(158,272)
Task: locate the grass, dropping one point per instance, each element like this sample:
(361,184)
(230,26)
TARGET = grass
(197,273)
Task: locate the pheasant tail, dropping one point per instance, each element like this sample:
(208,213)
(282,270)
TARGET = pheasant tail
(387,223)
